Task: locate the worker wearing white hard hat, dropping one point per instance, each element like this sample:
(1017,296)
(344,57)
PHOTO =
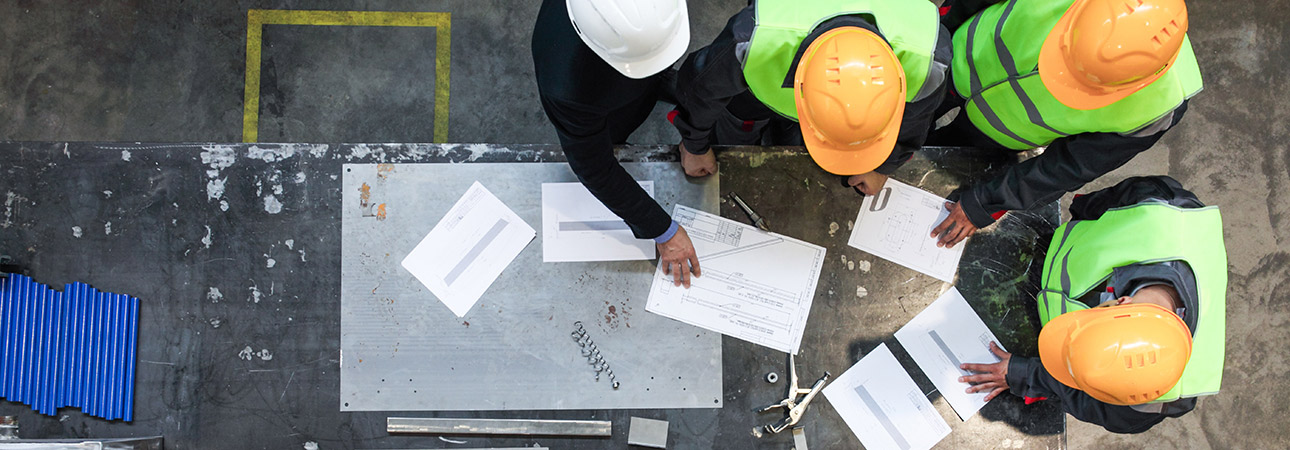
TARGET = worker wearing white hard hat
(601,65)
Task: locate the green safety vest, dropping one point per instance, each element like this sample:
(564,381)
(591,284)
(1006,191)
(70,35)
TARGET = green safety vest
(1084,252)
(910,26)
(996,68)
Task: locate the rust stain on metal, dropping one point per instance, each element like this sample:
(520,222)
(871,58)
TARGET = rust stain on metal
(380,212)
(383,170)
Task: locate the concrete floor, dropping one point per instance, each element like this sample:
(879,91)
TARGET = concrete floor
(172,71)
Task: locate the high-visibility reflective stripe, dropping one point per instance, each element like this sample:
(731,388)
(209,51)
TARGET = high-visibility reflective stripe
(1010,65)
(975,81)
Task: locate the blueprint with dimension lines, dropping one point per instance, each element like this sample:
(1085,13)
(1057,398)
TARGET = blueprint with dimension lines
(755,286)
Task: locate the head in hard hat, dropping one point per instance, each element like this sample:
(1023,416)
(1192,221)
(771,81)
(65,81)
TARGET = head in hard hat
(850,95)
(639,38)
(1104,50)
(1126,351)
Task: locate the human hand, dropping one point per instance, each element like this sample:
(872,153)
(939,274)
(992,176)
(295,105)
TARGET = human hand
(867,183)
(678,258)
(955,228)
(992,377)
(698,165)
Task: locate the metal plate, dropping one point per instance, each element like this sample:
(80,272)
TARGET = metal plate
(401,349)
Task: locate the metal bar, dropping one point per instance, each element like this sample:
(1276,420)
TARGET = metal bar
(109,382)
(522,427)
(24,339)
(133,330)
(6,308)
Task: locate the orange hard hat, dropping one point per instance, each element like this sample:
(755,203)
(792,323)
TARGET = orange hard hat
(849,91)
(1104,50)
(1122,355)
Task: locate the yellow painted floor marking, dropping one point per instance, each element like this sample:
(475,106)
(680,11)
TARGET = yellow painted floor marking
(256,19)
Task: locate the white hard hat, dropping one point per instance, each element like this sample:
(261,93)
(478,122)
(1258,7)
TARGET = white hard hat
(638,37)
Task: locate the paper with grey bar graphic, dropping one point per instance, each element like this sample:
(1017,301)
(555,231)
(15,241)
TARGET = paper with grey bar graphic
(470,246)
(883,407)
(577,227)
(946,334)
(756,286)
(896,225)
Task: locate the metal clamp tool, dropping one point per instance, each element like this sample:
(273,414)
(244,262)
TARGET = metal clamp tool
(793,408)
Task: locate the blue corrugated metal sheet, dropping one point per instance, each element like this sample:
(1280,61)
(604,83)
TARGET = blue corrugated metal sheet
(74,348)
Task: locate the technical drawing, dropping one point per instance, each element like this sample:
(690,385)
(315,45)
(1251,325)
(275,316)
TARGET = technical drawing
(755,286)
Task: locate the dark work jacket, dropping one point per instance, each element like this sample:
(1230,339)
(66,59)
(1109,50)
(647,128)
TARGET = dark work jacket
(593,107)
(1027,376)
(711,82)
(1065,165)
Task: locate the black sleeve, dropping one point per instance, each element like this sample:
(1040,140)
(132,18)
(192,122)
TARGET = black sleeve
(957,12)
(1066,165)
(1132,191)
(587,144)
(1028,378)
(708,80)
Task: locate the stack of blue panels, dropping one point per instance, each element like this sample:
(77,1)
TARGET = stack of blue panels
(71,348)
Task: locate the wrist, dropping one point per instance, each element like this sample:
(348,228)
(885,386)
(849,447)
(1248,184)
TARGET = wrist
(669,234)
(974,210)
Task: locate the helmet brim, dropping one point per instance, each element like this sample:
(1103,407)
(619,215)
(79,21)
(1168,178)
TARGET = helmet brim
(1053,338)
(1061,80)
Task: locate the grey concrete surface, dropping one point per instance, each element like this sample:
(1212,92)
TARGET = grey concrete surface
(172,71)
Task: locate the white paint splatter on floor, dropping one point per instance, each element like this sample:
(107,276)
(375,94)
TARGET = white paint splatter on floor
(125,155)
(272,205)
(215,188)
(207,240)
(311,445)
(850,225)
(215,323)
(851,265)
(270,154)
(269,263)
(476,150)
(290,244)
(246,353)
(861,292)
(223,205)
(255,294)
(302,255)
(107,194)
(76,232)
(265,354)
(214,295)
(107,227)
(833,228)
(864,265)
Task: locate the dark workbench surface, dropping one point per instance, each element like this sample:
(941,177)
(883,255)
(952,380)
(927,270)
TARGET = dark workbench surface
(147,223)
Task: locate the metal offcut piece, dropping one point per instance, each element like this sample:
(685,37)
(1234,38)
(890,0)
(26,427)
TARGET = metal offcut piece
(518,427)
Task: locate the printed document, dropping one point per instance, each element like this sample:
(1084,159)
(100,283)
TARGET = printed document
(896,225)
(883,407)
(468,249)
(756,286)
(946,334)
(577,227)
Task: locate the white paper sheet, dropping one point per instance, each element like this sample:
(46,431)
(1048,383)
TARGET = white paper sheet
(756,286)
(468,249)
(944,335)
(896,225)
(577,227)
(883,407)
